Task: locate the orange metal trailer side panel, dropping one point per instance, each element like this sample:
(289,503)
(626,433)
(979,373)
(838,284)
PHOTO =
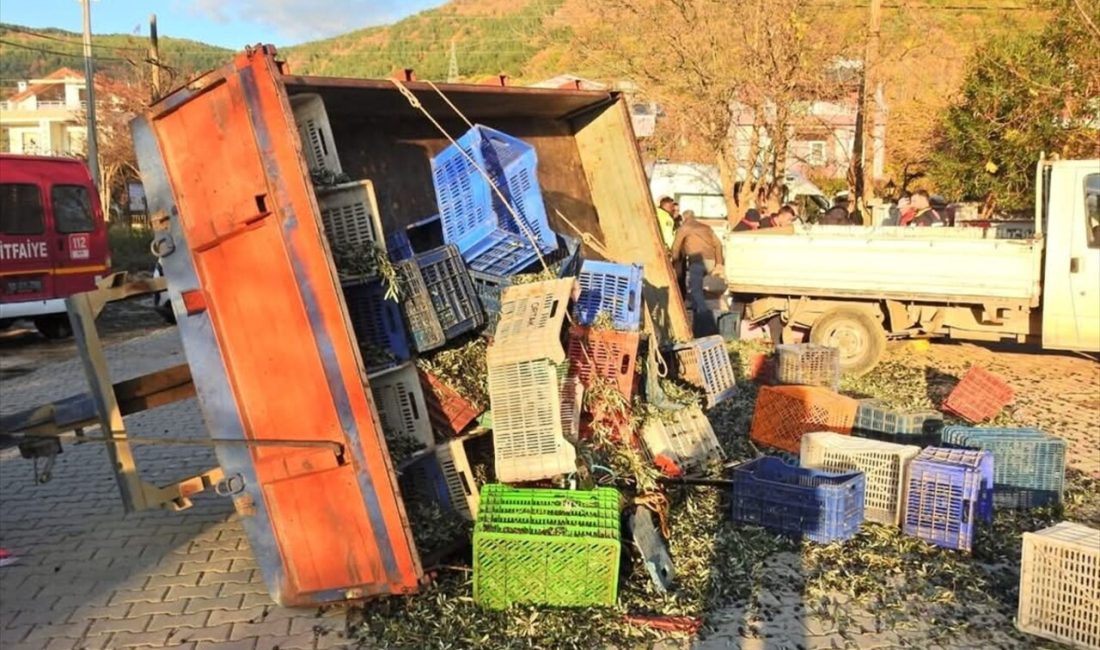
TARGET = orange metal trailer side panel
(248,215)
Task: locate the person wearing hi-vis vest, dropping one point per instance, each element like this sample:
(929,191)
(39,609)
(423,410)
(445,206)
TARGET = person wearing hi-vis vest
(665,220)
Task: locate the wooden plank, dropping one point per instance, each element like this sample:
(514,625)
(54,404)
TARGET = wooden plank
(620,194)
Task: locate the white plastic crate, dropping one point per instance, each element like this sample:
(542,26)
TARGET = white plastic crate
(572,401)
(315,132)
(532,322)
(400,403)
(528,437)
(688,442)
(349,212)
(884,464)
(461,488)
(1060,585)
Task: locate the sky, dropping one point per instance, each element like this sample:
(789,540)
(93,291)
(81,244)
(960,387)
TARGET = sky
(228,23)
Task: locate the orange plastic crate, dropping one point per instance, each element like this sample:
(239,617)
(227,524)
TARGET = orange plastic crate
(979,396)
(603,353)
(783,414)
(450,413)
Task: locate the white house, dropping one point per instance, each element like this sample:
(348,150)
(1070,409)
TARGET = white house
(43,116)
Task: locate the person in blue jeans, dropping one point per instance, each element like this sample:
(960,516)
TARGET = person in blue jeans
(697,248)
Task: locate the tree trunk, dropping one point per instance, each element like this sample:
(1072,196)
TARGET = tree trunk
(748,187)
(727,174)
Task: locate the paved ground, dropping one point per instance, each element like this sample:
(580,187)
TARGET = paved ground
(92,577)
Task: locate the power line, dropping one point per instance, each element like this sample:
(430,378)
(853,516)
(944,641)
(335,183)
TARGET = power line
(28,32)
(56,53)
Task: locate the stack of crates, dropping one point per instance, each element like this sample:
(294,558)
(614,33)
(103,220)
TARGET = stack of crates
(705,363)
(979,396)
(1060,585)
(875,419)
(473,216)
(438,297)
(546,547)
(884,465)
(808,364)
(1029,466)
(806,503)
(315,132)
(349,212)
(783,414)
(949,490)
(683,444)
(526,364)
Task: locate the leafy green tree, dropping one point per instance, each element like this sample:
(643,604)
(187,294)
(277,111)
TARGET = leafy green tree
(1022,96)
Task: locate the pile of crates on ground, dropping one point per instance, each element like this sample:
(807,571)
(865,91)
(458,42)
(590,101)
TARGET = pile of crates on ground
(566,359)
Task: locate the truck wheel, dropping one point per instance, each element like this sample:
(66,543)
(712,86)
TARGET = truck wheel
(860,339)
(54,326)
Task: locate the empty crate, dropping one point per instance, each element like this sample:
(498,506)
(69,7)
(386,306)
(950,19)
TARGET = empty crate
(808,364)
(884,465)
(614,290)
(488,288)
(416,303)
(532,321)
(377,324)
(546,547)
(1060,585)
(608,354)
(474,217)
(686,441)
(876,420)
(443,476)
(949,490)
(528,432)
(979,396)
(705,363)
(783,414)
(1029,466)
(438,297)
(400,403)
(819,506)
(315,132)
(450,413)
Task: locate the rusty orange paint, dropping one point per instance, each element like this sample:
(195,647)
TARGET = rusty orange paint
(251,225)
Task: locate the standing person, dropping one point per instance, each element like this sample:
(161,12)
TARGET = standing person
(838,214)
(924,216)
(664,219)
(699,249)
(676,218)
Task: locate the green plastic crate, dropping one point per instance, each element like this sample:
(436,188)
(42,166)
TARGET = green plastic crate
(546,547)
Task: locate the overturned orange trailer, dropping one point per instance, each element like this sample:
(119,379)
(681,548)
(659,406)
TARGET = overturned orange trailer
(263,321)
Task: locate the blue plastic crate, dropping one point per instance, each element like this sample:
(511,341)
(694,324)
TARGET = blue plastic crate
(398,246)
(949,490)
(473,216)
(488,287)
(614,289)
(451,291)
(376,321)
(1029,465)
(874,419)
(819,506)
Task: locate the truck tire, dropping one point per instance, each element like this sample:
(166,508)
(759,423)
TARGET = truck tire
(54,326)
(860,339)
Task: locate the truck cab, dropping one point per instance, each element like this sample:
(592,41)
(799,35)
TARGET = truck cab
(53,239)
(1068,205)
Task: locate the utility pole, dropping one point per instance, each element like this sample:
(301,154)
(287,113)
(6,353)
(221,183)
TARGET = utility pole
(452,67)
(869,103)
(154,57)
(89,92)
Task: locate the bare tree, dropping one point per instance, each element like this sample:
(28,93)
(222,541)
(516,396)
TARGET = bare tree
(735,74)
(117,101)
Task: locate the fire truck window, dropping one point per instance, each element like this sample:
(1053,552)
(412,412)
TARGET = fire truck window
(72,208)
(21,209)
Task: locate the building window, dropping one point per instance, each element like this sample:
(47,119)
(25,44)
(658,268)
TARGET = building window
(21,209)
(815,153)
(72,208)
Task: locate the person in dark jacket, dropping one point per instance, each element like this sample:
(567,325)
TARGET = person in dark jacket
(925,216)
(838,214)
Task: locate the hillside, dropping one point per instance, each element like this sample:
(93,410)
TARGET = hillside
(925,49)
(31,53)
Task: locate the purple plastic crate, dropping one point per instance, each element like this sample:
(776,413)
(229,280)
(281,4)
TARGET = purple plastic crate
(949,490)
